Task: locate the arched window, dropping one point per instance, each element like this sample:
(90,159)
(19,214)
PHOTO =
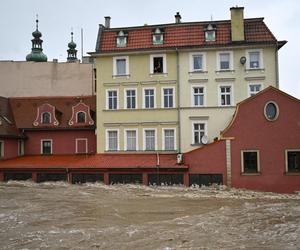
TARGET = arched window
(81,117)
(46,117)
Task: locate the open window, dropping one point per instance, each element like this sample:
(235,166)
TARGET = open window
(158,64)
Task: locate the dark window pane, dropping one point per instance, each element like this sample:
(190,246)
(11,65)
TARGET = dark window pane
(294,161)
(271,111)
(80,117)
(158,65)
(250,162)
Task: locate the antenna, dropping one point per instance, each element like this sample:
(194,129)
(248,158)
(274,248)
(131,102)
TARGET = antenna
(81,45)
(211,17)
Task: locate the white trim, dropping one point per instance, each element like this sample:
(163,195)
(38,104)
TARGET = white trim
(106,99)
(145,96)
(277,111)
(191,60)
(192,95)
(286,159)
(144,138)
(218,66)
(125,98)
(231,94)
(261,61)
(253,83)
(106,139)
(2,149)
(81,111)
(51,141)
(205,129)
(163,138)
(164,56)
(162,104)
(115,58)
(242,160)
(136,139)
(86,145)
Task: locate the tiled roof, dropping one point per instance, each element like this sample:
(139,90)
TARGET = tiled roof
(7,123)
(25,109)
(183,35)
(103,161)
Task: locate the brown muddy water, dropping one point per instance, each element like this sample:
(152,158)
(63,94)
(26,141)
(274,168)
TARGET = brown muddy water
(95,216)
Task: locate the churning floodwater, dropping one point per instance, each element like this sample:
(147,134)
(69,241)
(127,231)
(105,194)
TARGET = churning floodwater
(96,216)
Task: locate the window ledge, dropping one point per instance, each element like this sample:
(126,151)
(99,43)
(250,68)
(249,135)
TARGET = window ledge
(226,106)
(198,72)
(251,174)
(255,69)
(225,70)
(197,144)
(158,74)
(120,76)
(292,173)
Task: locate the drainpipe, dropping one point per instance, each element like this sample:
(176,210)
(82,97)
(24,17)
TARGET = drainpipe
(178,101)
(276,67)
(157,168)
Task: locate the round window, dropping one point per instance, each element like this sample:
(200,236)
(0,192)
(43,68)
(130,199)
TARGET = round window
(271,111)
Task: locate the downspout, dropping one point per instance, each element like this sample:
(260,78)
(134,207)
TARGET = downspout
(178,101)
(157,168)
(276,67)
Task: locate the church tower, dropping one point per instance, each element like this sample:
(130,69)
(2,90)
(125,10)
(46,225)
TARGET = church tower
(72,52)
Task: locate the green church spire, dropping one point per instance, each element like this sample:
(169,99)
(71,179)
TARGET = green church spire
(36,54)
(72,52)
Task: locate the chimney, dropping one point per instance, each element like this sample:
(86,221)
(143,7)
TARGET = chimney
(237,24)
(107,22)
(177,18)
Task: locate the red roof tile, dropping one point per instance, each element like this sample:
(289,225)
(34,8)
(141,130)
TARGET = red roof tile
(25,109)
(92,161)
(184,35)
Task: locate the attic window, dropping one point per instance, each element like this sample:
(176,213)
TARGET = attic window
(46,118)
(158,36)
(210,33)
(81,117)
(121,39)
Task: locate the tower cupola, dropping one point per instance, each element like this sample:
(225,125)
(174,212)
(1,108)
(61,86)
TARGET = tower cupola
(72,51)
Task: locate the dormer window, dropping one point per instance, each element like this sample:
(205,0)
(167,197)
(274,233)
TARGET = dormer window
(210,33)
(121,39)
(81,117)
(46,118)
(158,36)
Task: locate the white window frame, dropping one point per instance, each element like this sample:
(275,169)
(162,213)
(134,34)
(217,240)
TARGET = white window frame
(51,141)
(193,131)
(107,100)
(164,56)
(242,161)
(115,58)
(231,95)
(21,147)
(286,159)
(219,60)
(144,97)
(144,138)
(251,84)
(136,139)
(86,145)
(163,138)
(107,139)
(85,115)
(125,98)
(50,117)
(261,61)
(203,54)
(163,97)
(192,95)
(2,149)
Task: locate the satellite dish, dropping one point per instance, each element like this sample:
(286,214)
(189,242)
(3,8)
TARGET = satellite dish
(204,139)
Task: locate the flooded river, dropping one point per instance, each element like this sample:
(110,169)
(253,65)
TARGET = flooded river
(95,216)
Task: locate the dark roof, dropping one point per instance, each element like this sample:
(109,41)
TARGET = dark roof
(184,35)
(25,109)
(7,123)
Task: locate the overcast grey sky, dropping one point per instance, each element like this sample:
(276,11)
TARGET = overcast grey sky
(56,17)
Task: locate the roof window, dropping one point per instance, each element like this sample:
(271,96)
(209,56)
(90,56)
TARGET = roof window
(158,36)
(122,39)
(210,33)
